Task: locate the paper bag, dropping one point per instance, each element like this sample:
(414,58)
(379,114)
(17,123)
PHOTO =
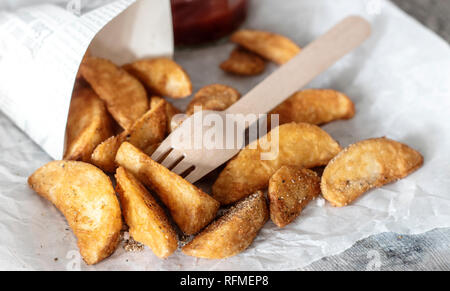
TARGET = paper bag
(42,46)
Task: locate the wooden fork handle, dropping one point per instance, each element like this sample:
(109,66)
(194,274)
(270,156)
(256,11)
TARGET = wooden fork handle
(303,68)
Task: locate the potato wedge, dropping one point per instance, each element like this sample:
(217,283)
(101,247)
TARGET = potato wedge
(125,97)
(151,127)
(146,219)
(315,106)
(244,63)
(88,125)
(146,131)
(290,190)
(151,149)
(300,144)
(86,197)
(365,165)
(214,97)
(233,232)
(171,111)
(104,154)
(162,76)
(274,47)
(191,208)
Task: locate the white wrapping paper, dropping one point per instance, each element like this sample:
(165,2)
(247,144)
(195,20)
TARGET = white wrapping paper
(42,45)
(400,83)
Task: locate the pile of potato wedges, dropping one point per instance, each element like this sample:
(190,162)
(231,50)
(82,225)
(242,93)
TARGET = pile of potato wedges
(119,115)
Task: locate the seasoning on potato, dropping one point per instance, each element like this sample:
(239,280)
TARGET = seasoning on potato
(315,106)
(88,124)
(290,190)
(162,76)
(271,46)
(243,62)
(148,130)
(300,144)
(125,97)
(365,165)
(86,197)
(191,208)
(147,221)
(233,232)
(215,97)
(171,111)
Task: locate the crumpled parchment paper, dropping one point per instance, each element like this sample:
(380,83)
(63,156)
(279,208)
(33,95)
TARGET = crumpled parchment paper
(400,83)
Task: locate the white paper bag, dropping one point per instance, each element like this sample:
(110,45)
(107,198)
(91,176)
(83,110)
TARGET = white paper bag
(42,45)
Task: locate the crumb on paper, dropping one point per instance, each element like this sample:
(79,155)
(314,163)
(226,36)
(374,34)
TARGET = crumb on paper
(133,246)
(130,245)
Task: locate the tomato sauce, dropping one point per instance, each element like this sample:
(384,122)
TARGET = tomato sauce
(199,21)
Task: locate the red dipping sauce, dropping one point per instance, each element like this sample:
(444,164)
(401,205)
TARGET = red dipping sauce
(199,21)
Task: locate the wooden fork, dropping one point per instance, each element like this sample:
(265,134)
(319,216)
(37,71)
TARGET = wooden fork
(183,151)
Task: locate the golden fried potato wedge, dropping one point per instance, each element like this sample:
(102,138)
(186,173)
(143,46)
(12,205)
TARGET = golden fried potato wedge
(290,190)
(365,165)
(315,106)
(146,219)
(104,154)
(171,111)
(300,144)
(148,130)
(151,127)
(214,97)
(151,149)
(274,47)
(233,232)
(244,63)
(86,197)
(88,125)
(162,76)
(191,208)
(125,97)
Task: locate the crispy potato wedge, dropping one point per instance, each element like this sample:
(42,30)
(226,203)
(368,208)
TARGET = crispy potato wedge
(151,149)
(148,130)
(214,97)
(146,219)
(271,46)
(244,63)
(191,208)
(171,111)
(104,154)
(300,144)
(86,197)
(315,106)
(290,190)
(125,97)
(365,165)
(233,232)
(162,76)
(151,127)
(88,125)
